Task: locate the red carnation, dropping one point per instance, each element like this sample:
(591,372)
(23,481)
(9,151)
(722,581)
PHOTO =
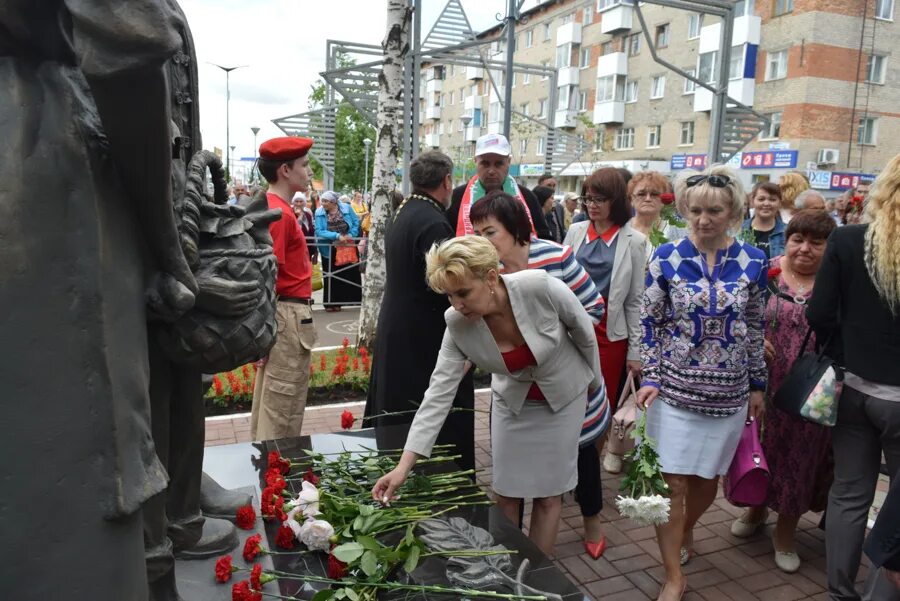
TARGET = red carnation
(276,461)
(774,273)
(274,479)
(241,591)
(252,547)
(337,569)
(224,569)
(245,518)
(667,198)
(255,575)
(347,420)
(285,538)
(311,477)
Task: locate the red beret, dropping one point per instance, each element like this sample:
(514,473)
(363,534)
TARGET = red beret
(286,148)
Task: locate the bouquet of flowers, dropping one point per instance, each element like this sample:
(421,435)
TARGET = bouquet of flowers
(645,492)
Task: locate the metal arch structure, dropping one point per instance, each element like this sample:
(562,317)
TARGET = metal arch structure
(732,124)
(318,124)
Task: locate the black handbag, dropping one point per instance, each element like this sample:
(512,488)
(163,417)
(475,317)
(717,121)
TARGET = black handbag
(812,387)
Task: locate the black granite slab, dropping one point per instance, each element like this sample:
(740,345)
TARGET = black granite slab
(242,465)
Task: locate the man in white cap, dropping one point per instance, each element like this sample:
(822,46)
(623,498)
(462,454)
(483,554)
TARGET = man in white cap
(492,157)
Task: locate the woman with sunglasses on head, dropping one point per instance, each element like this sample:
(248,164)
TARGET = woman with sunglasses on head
(502,220)
(613,253)
(702,354)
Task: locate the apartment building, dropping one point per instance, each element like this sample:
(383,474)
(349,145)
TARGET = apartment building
(822,70)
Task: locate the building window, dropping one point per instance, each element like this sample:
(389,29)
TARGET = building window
(546,65)
(634,44)
(542,107)
(690,86)
(473,90)
(610,88)
(441,128)
(452,95)
(564,56)
(875,71)
(523,147)
(606,48)
(582,101)
(461,126)
(662,35)
(867,131)
(736,63)
(443,101)
(687,133)
(588,15)
(774,130)
(658,87)
(624,138)
(529,38)
(695,24)
(654,132)
(584,58)
(706,70)
(539,151)
(631,91)
(524,108)
(776,65)
(547,32)
(884,9)
(783,7)
(743,8)
(494,112)
(604,4)
(566,98)
(598,139)
(568,18)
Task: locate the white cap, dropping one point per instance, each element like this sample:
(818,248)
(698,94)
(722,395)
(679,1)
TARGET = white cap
(493,144)
(298,196)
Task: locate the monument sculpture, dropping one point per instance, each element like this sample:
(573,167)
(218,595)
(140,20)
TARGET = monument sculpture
(121,284)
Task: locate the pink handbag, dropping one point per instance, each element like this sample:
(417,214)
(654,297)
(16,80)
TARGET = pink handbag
(747,481)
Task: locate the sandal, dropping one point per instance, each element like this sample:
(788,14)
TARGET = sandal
(685,556)
(680,596)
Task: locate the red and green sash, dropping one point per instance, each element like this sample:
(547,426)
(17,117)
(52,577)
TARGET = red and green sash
(475,192)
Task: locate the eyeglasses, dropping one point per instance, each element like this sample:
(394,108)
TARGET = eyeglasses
(592,199)
(716,181)
(645,194)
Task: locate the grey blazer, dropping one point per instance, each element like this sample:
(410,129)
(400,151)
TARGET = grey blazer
(623,307)
(557,330)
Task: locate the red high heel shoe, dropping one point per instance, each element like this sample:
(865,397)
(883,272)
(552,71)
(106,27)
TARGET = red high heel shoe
(595,550)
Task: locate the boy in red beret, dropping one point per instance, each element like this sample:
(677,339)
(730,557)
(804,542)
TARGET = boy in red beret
(279,396)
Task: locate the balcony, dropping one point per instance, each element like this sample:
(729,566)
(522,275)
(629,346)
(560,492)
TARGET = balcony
(615,63)
(611,111)
(565,118)
(617,18)
(471,103)
(568,76)
(433,86)
(494,128)
(474,73)
(473,132)
(746,31)
(432,140)
(570,33)
(433,112)
(741,90)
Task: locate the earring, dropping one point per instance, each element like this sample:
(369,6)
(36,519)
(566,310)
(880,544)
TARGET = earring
(492,292)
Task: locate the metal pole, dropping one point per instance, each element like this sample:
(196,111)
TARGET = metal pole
(510,74)
(228,71)
(720,101)
(255,131)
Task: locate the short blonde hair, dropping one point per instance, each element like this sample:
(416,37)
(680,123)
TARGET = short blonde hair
(732,196)
(657,181)
(792,184)
(454,260)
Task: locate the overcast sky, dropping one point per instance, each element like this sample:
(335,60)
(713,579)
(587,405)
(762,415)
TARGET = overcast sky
(283,44)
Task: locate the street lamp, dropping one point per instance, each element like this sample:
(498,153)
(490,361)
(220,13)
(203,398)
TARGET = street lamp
(366,142)
(228,71)
(255,131)
(466,119)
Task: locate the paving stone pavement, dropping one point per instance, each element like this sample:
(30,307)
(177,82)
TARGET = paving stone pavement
(725,567)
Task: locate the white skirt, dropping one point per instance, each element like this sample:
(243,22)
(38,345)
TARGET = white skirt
(535,453)
(693,444)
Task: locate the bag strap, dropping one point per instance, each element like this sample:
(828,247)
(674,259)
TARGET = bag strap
(625,390)
(822,345)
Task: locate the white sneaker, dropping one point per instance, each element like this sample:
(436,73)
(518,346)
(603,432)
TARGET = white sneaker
(787,561)
(612,463)
(742,529)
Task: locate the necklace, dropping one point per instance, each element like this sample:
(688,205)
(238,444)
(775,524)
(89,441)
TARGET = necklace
(430,200)
(801,287)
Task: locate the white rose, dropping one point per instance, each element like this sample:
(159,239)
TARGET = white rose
(308,500)
(315,534)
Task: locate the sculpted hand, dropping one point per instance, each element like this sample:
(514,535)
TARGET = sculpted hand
(167,298)
(227,298)
(645,396)
(757,404)
(387,485)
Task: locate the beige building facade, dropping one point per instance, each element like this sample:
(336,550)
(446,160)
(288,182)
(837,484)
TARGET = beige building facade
(824,71)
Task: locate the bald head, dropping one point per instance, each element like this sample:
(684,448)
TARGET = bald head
(810,199)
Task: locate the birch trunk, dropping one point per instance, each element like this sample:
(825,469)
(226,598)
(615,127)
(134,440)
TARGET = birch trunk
(387,145)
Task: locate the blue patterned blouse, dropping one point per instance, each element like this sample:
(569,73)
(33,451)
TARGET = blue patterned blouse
(702,332)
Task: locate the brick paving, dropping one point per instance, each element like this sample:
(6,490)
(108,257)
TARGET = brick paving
(725,567)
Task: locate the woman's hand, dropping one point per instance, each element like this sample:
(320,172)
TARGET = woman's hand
(757,404)
(634,368)
(645,397)
(387,485)
(769,351)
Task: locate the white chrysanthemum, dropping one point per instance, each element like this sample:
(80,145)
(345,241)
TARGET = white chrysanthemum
(315,534)
(653,509)
(626,506)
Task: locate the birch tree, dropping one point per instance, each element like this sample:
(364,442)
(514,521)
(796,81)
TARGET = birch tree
(387,145)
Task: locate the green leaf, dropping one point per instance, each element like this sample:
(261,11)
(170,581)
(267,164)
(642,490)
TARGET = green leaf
(351,594)
(410,538)
(348,552)
(369,563)
(412,560)
(368,542)
(366,510)
(323,595)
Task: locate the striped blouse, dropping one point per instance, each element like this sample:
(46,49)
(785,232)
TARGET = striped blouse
(559,261)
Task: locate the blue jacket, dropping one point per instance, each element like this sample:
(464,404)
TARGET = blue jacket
(776,238)
(322,232)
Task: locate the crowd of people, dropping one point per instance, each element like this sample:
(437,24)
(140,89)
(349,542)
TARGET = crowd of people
(705,305)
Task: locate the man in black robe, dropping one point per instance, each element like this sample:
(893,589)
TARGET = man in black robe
(411,323)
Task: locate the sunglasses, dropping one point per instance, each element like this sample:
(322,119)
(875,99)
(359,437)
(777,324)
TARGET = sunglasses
(716,181)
